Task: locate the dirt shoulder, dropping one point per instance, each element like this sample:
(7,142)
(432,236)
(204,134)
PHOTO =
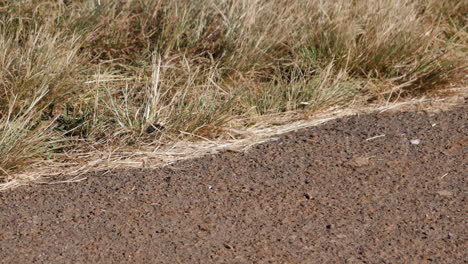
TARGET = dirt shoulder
(376,188)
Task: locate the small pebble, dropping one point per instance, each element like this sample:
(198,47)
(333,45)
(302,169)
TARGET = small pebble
(227,246)
(445,193)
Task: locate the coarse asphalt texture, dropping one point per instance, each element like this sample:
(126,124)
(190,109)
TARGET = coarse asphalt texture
(374,188)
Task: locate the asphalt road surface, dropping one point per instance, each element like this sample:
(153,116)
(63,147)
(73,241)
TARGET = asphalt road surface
(377,188)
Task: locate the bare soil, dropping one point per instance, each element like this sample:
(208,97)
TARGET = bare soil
(376,188)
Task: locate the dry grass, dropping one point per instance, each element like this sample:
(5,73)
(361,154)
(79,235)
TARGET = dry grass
(76,165)
(80,77)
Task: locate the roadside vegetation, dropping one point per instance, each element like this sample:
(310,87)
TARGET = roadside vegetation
(86,74)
